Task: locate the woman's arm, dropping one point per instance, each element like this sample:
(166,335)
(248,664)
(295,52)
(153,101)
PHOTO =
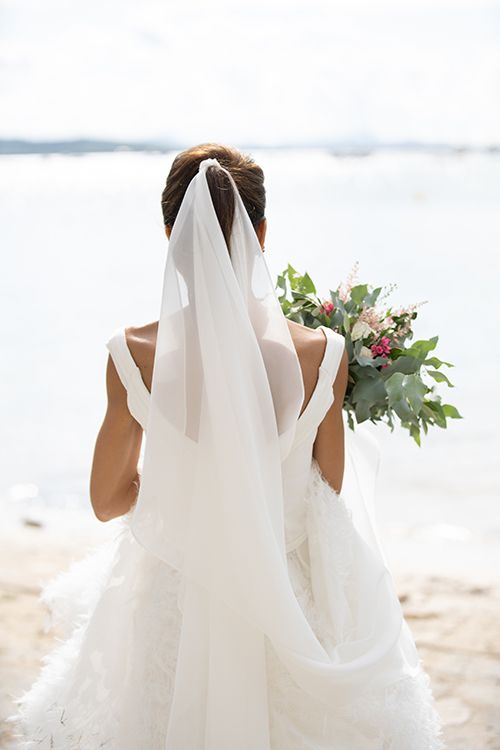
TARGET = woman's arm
(114,479)
(328,449)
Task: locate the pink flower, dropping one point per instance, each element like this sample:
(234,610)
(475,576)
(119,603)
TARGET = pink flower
(383,348)
(327,307)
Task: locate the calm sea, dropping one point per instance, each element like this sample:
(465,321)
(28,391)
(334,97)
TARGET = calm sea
(83,252)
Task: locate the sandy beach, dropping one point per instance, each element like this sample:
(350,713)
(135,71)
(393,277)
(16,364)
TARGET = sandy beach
(455,622)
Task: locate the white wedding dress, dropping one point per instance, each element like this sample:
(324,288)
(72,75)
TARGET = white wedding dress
(109,683)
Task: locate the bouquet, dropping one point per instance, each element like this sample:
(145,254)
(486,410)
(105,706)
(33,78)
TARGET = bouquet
(391,377)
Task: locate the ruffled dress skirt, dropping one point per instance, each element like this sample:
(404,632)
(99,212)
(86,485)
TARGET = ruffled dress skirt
(108,683)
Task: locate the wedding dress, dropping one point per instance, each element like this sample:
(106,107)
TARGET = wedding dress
(243,604)
(109,684)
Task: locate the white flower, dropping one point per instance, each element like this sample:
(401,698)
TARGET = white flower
(365,352)
(361,330)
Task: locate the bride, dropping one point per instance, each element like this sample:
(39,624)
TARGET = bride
(245,602)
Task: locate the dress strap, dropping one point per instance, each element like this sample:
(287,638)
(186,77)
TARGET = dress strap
(335,345)
(322,397)
(129,373)
(122,358)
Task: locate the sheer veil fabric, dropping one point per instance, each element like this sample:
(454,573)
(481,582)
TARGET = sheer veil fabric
(226,394)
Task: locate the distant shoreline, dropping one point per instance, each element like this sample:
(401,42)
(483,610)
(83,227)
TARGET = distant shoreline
(351,149)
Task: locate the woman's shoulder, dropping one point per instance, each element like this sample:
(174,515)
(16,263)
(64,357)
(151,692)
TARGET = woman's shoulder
(142,336)
(303,334)
(141,342)
(315,341)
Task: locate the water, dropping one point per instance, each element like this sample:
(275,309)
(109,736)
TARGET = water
(83,252)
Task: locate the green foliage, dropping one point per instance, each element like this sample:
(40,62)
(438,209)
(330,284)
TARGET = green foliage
(381,387)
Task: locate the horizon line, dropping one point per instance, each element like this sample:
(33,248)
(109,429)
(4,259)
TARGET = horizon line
(340,147)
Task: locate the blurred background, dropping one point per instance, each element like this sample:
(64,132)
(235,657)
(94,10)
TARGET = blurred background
(378,129)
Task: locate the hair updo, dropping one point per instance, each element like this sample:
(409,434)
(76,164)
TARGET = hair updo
(247,175)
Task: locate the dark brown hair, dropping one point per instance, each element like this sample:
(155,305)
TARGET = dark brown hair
(247,175)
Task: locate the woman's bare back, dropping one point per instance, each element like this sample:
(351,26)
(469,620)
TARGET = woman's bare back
(309,344)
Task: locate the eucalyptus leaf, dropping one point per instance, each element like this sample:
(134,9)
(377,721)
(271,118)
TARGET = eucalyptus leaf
(371,390)
(426,413)
(404,412)
(415,433)
(349,348)
(394,387)
(396,352)
(334,296)
(440,377)
(350,307)
(350,420)
(451,411)
(390,421)
(307,284)
(337,318)
(435,362)
(358,345)
(365,361)
(438,413)
(372,297)
(421,348)
(281,283)
(415,391)
(403,364)
(293,277)
(358,293)
(362,411)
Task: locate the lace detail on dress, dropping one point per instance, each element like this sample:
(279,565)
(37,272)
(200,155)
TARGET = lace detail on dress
(401,716)
(330,535)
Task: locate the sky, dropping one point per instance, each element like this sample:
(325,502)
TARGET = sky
(266,72)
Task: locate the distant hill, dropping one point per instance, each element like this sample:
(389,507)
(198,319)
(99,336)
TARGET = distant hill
(79,146)
(344,148)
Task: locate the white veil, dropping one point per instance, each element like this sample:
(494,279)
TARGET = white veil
(226,394)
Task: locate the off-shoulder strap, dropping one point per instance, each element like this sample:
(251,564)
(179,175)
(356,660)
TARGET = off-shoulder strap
(335,345)
(122,358)
(129,374)
(322,397)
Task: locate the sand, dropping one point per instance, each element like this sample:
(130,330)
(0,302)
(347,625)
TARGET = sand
(455,623)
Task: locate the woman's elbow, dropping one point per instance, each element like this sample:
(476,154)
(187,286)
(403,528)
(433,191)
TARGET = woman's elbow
(108,505)
(103,514)
(103,502)
(103,510)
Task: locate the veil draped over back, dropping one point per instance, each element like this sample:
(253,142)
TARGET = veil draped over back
(226,394)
